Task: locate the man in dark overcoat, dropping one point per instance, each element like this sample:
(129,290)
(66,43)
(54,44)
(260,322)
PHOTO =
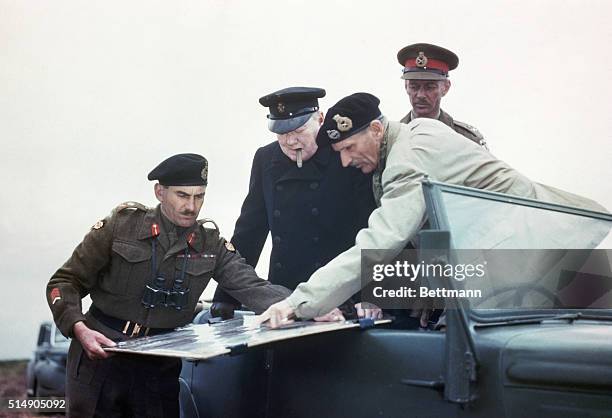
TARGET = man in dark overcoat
(301,195)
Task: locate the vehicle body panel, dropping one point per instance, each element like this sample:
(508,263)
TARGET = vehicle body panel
(487,363)
(46,370)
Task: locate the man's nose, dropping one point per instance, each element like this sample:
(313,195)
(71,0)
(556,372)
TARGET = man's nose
(421,92)
(345,158)
(191,204)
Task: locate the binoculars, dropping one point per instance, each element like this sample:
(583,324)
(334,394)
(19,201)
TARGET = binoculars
(157,295)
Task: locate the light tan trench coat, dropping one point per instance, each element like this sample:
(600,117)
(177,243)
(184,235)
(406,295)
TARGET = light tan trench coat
(408,153)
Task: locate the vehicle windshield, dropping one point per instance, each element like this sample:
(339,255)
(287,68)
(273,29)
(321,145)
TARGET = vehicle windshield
(537,258)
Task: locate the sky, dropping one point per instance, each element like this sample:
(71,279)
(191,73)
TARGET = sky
(94,94)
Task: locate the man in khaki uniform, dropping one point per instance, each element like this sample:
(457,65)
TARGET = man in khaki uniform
(401,155)
(145,269)
(425,75)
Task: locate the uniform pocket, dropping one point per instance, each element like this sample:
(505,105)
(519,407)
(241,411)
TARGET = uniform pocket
(130,268)
(132,252)
(198,271)
(79,366)
(198,266)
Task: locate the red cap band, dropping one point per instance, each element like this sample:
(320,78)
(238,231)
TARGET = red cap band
(431,63)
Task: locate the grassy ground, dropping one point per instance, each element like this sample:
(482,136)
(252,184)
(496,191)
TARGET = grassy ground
(13,386)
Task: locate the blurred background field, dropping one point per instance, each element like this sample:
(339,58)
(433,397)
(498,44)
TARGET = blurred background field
(13,386)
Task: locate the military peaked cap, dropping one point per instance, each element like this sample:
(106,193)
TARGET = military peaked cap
(290,108)
(426,62)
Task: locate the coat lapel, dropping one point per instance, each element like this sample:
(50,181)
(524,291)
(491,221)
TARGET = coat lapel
(192,238)
(168,240)
(146,231)
(446,119)
(278,164)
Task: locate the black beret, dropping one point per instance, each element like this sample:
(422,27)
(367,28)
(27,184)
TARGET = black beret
(290,108)
(426,62)
(349,116)
(181,170)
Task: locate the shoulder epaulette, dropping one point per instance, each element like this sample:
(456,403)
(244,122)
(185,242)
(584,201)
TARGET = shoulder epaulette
(470,128)
(206,221)
(131,205)
(474,132)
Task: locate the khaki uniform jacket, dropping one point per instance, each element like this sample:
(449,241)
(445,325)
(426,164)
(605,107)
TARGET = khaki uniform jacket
(462,128)
(113,264)
(422,147)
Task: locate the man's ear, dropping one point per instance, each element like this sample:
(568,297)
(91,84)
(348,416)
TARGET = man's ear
(159,192)
(377,128)
(447,86)
(321,118)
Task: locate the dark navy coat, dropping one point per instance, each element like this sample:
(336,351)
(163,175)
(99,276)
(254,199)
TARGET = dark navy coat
(313,213)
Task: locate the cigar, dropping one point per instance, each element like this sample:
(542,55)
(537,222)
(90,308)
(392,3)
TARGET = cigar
(299,157)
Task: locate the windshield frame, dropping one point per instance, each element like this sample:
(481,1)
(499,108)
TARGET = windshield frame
(438,220)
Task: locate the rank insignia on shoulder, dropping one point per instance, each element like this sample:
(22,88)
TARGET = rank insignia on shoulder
(468,127)
(230,246)
(98,224)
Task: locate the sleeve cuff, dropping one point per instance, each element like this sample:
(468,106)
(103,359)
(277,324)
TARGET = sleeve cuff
(300,306)
(67,321)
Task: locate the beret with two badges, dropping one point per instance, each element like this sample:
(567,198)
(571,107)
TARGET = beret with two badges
(349,116)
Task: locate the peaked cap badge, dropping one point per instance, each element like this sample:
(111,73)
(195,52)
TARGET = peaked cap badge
(421,60)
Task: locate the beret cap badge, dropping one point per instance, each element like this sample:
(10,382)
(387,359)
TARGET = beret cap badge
(421,60)
(280,107)
(204,172)
(344,123)
(333,134)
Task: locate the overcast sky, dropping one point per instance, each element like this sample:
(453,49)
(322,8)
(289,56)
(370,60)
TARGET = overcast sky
(94,94)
